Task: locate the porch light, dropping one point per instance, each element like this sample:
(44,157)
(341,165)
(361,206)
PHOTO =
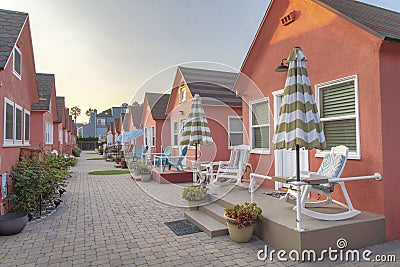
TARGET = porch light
(283,67)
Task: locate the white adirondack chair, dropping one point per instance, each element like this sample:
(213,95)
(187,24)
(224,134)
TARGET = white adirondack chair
(232,171)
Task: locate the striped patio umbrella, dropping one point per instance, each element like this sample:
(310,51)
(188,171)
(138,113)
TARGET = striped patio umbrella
(299,123)
(196,130)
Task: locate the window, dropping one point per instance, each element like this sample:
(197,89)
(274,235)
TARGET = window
(18,124)
(66,138)
(49,133)
(175,133)
(337,101)
(8,121)
(259,126)
(101,122)
(235,131)
(153,137)
(27,125)
(17,62)
(60,136)
(182,94)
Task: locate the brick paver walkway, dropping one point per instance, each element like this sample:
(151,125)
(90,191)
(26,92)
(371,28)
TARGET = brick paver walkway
(110,221)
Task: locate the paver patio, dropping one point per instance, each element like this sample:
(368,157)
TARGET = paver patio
(110,221)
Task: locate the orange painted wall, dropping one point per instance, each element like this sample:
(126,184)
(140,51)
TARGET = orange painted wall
(217,117)
(22,92)
(335,48)
(390,94)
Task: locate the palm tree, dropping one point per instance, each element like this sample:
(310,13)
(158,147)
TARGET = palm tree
(88,111)
(75,111)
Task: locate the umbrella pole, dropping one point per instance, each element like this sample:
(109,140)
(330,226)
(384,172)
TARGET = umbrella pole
(299,226)
(195,155)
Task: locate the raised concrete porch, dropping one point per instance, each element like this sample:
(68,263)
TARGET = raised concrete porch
(277,228)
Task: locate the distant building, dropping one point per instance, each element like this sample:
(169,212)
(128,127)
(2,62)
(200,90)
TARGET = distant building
(98,121)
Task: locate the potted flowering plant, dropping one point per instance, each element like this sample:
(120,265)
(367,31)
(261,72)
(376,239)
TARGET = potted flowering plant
(145,172)
(194,194)
(241,220)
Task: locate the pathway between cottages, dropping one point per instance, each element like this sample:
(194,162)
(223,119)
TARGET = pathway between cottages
(110,221)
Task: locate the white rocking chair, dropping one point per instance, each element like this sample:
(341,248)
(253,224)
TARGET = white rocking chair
(231,171)
(331,168)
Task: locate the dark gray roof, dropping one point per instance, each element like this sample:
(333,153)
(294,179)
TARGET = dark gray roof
(374,19)
(11,23)
(212,84)
(45,83)
(105,113)
(158,104)
(136,114)
(60,101)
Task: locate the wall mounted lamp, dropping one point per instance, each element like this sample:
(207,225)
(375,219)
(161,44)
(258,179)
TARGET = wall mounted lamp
(181,112)
(283,67)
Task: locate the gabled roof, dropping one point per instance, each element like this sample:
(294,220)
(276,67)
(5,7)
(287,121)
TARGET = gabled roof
(66,118)
(136,114)
(45,84)
(158,104)
(60,102)
(212,84)
(11,24)
(379,21)
(105,113)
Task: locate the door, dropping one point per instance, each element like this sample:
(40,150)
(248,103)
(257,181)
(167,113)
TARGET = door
(285,160)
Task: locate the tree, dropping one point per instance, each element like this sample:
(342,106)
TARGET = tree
(75,111)
(88,111)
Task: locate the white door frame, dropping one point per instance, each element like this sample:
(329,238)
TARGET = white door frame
(277,153)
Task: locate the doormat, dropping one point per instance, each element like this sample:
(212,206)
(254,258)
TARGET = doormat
(183,227)
(276,194)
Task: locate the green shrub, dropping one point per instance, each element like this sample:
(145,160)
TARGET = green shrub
(34,178)
(76,151)
(194,192)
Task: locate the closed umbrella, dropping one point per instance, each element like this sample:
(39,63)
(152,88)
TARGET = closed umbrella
(299,122)
(196,130)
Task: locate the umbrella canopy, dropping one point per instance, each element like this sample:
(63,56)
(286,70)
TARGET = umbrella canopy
(129,136)
(299,123)
(196,130)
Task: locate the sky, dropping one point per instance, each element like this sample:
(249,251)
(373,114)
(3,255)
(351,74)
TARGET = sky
(107,52)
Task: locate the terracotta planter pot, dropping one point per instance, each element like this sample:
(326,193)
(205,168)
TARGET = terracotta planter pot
(239,235)
(13,223)
(124,165)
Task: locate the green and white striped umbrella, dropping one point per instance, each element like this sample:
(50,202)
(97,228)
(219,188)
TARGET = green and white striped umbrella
(196,130)
(298,122)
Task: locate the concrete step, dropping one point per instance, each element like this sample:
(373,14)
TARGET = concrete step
(215,211)
(208,224)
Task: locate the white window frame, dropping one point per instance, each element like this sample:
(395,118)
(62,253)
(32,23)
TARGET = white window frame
(26,141)
(66,138)
(17,142)
(49,133)
(60,136)
(233,132)
(153,136)
(8,141)
(352,155)
(19,75)
(173,134)
(101,124)
(259,150)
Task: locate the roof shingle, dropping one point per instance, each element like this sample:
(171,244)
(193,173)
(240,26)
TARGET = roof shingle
(45,84)
(158,104)
(11,23)
(60,102)
(212,84)
(382,21)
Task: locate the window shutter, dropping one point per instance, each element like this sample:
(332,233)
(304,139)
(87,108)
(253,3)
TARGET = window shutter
(260,113)
(341,132)
(338,100)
